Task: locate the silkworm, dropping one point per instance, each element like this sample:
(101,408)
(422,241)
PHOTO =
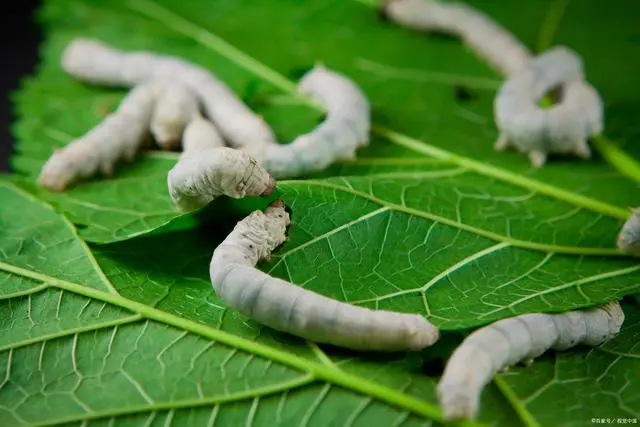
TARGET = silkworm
(95,62)
(629,236)
(508,341)
(562,128)
(175,107)
(289,308)
(118,137)
(490,41)
(345,128)
(204,173)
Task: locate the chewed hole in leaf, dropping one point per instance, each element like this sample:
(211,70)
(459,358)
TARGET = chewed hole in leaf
(552,97)
(463,93)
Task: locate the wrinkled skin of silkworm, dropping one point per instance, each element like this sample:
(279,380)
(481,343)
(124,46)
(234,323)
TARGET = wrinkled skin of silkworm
(489,40)
(175,107)
(289,308)
(95,62)
(345,128)
(506,342)
(562,128)
(118,137)
(201,176)
(629,236)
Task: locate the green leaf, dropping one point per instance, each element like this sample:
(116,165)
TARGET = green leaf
(140,339)
(429,219)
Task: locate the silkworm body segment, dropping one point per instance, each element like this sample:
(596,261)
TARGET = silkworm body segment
(175,107)
(506,342)
(200,177)
(199,135)
(286,307)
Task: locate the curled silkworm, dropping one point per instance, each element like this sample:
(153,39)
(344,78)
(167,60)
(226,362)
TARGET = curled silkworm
(118,137)
(289,308)
(506,342)
(489,40)
(562,128)
(629,236)
(345,128)
(175,107)
(97,63)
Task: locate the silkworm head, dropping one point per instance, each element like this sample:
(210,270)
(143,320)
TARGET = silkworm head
(56,173)
(383,10)
(271,186)
(629,237)
(278,209)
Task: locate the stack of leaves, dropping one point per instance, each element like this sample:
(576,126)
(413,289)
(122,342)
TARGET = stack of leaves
(101,328)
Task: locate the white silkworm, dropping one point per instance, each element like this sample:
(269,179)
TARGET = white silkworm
(289,308)
(562,128)
(345,128)
(629,236)
(119,137)
(97,63)
(482,34)
(201,175)
(175,107)
(506,342)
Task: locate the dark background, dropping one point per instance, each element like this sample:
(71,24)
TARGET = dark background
(19,53)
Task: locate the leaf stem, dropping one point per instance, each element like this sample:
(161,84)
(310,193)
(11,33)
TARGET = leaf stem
(551,23)
(515,402)
(617,158)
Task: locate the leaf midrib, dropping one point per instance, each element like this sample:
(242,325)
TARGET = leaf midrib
(181,25)
(525,244)
(317,371)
